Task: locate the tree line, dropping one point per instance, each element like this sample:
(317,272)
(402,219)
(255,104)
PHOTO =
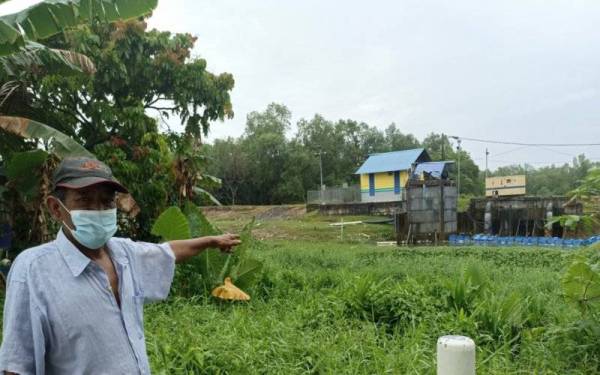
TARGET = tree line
(266,166)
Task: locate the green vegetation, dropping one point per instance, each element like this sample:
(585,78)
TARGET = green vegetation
(110,83)
(264,166)
(324,299)
(338,307)
(251,175)
(322,304)
(328,305)
(209,269)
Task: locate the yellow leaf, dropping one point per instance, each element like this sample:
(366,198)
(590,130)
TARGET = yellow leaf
(230,292)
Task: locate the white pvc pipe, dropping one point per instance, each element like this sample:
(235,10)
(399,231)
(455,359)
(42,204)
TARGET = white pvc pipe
(455,356)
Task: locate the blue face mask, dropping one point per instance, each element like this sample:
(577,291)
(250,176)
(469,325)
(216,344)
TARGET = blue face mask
(93,228)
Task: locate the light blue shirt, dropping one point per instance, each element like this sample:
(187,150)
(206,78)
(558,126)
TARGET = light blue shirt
(61,317)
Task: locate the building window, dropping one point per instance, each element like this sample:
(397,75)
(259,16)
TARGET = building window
(397,182)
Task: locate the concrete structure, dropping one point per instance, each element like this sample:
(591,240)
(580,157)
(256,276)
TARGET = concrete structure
(424,203)
(350,194)
(383,176)
(403,184)
(518,215)
(505,186)
(455,355)
(373,208)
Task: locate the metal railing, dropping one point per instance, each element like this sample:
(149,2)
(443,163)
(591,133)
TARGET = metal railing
(349,194)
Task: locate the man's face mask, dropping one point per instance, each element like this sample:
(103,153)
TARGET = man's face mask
(93,228)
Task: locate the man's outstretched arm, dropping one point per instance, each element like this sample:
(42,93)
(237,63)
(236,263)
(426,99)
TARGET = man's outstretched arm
(185,249)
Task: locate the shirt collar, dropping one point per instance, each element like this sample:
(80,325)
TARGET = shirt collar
(115,251)
(76,261)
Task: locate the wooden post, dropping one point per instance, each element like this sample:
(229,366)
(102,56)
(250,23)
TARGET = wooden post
(397,228)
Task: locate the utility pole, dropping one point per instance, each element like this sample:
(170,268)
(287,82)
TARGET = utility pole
(442,211)
(321,188)
(321,167)
(458,182)
(486,161)
(443,141)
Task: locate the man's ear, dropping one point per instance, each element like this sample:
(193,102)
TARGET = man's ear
(55,208)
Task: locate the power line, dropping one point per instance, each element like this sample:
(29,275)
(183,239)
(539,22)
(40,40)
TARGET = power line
(556,151)
(526,144)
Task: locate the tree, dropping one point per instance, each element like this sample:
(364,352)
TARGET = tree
(138,71)
(323,143)
(396,140)
(265,144)
(23,61)
(139,74)
(439,148)
(228,160)
(352,148)
(300,175)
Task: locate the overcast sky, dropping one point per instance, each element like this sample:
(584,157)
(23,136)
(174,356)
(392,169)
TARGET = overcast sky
(525,71)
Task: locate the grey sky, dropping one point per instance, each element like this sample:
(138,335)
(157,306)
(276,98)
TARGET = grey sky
(520,70)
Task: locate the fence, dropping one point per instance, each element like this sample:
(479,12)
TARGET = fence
(334,195)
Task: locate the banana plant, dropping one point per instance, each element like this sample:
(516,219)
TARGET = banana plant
(48,18)
(60,144)
(20,53)
(210,268)
(570,223)
(30,172)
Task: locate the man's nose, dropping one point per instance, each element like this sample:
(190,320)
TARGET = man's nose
(97,206)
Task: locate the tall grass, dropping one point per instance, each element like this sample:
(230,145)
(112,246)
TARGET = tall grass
(330,307)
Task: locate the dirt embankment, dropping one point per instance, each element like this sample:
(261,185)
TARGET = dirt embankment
(260,212)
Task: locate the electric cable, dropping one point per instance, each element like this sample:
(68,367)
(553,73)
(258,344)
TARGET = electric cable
(525,144)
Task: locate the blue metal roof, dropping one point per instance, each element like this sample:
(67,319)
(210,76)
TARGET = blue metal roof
(390,161)
(434,168)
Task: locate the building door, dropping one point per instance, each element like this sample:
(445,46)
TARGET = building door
(371,184)
(397,182)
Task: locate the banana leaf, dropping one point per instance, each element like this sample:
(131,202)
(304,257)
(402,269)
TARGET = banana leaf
(22,171)
(200,191)
(51,17)
(61,144)
(35,57)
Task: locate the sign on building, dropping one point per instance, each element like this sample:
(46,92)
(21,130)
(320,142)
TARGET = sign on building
(505,185)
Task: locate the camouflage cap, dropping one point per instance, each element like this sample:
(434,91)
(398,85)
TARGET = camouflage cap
(80,172)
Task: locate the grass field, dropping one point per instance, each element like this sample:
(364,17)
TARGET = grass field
(332,305)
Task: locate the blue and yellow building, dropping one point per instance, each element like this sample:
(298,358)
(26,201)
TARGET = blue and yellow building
(383,176)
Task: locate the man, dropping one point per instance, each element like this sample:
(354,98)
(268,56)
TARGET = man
(74,305)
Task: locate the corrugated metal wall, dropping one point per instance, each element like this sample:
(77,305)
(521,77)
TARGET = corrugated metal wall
(423,208)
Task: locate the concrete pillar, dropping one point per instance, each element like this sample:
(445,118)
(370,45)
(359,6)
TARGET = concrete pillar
(549,215)
(487,218)
(455,355)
